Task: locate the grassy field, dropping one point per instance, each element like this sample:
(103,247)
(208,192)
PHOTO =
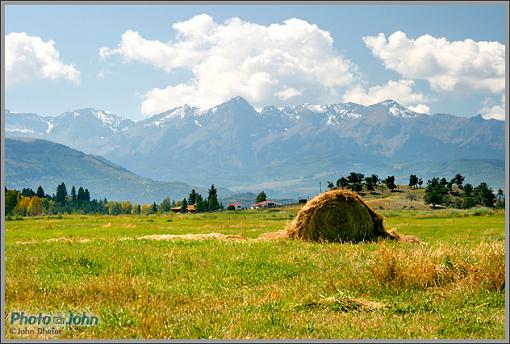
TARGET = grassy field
(449,286)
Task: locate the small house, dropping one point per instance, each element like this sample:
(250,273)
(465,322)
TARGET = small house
(190,209)
(265,204)
(235,206)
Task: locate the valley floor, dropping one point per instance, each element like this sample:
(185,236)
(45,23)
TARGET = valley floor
(449,286)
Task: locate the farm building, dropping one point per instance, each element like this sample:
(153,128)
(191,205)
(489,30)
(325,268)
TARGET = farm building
(191,209)
(235,206)
(265,204)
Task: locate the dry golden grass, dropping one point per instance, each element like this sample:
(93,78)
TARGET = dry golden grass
(452,285)
(423,267)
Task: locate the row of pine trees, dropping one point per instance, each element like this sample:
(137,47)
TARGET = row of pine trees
(28,202)
(438,191)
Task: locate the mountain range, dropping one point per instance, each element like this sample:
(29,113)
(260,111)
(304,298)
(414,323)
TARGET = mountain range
(33,162)
(287,149)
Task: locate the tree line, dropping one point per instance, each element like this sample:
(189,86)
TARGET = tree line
(438,191)
(454,194)
(28,202)
(358,182)
(201,204)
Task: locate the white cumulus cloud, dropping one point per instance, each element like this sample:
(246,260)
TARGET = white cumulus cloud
(420,108)
(462,66)
(400,91)
(493,110)
(30,58)
(292,62)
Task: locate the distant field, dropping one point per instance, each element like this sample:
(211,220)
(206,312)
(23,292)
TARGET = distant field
(450,286)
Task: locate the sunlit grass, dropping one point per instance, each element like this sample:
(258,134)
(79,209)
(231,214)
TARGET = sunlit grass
(449,286)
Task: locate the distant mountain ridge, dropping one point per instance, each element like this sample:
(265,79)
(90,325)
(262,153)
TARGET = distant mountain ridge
(33,162)
(288,148)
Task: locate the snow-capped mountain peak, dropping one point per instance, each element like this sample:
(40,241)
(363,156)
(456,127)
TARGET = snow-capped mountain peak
(176,113)
(107,119)
(398,110)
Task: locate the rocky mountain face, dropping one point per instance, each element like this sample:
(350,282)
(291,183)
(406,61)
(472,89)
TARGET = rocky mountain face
(284,149)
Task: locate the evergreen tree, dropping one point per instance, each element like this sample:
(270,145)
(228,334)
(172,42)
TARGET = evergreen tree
(73,194)
(458,180)
(420,182)
(484,195)
(369,182)
(165,205)
(184,206)
(342,183)
(81,195)
(357,187)
(500,197)
(200,204)
(449,186)
(468,190)
(413,181)
(27,192)
(468,201)
(355,179)
(390,182)
(261,197)
(60,196)
(192,198)
(40,192)
(212,199)
(86,195)
(435,192)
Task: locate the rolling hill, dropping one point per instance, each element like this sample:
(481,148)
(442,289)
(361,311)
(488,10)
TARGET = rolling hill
(33,162)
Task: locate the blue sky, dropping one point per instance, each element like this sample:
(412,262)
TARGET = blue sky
(137,78)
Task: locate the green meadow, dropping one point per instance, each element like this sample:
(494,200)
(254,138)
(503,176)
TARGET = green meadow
(451,285)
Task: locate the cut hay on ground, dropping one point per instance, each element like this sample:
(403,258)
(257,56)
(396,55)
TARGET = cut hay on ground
(217,236)
(272,235)
(404,238)
(341,303)
(55,240)
(338,216)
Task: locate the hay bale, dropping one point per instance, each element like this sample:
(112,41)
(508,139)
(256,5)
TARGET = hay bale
(337,216)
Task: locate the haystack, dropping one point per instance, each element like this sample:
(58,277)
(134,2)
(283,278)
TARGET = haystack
(337,216)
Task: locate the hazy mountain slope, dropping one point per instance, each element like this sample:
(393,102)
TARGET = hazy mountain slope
(83,129)
(33,162)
